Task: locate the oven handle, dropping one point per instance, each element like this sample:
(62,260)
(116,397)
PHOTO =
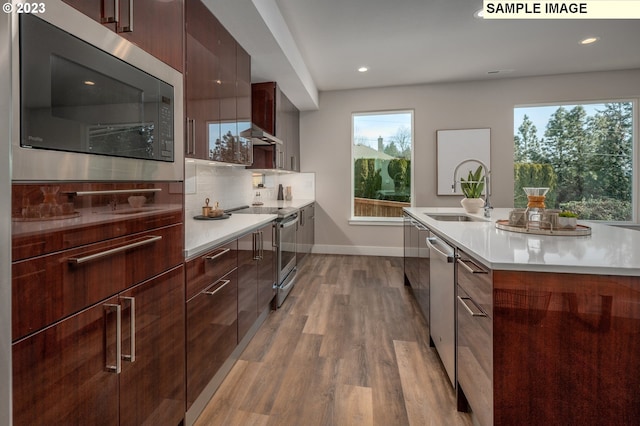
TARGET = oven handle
(291,220)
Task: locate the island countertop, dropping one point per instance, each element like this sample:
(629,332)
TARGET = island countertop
(609,250)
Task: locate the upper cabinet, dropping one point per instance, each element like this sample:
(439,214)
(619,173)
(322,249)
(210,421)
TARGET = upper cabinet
(155,26)
(218,99)
(275,113)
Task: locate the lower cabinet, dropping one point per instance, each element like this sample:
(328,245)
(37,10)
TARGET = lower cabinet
(212,332)
(417,262)
(120,361)
(306,232)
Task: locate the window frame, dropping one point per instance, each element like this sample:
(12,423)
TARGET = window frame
(635,146)
(379,220)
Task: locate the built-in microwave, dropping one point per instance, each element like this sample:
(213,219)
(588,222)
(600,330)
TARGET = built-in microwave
(97,109)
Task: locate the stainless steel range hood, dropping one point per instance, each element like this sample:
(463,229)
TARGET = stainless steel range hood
(260,137)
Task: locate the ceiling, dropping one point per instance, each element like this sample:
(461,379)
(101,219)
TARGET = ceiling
(309,45)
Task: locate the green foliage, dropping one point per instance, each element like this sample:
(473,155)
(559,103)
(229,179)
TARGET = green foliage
(536,176)
(367,180)
(591,157)
(566,213)
(600,209)
(399,171)
(474,184)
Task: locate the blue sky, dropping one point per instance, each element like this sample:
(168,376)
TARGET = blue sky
(371,126)
(540,115)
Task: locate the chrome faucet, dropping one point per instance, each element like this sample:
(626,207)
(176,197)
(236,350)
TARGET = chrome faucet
(487,182)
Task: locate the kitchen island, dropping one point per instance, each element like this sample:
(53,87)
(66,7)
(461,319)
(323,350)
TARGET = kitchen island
(563,335)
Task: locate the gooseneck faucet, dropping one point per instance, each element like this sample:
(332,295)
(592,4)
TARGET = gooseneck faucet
(487,184)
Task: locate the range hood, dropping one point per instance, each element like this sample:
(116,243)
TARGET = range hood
(260,137)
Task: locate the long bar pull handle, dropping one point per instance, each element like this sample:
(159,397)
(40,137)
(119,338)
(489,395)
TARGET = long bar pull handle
(463,263)
(191,135)
(117,367)
(132,327)
(431,242)
(116,13)
(227,250)
(211,293)
(256,254)
(261,245)
(114,191)
(144,241)
(473,313)
(129,28)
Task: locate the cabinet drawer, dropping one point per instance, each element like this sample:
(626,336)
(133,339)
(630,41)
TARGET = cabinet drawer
(212,332)
(48,288)
(475,357)
(476,280)
(210,267)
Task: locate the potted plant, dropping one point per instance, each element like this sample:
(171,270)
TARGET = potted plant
(472,188)
(567,220)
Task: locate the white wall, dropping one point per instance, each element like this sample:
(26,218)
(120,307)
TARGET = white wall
(326,138)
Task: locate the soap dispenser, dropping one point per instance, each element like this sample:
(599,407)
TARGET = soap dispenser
(280,192)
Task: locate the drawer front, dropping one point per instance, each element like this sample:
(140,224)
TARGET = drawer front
(474,352)
(476,280)
(210,267)
(212,332)
(48,288)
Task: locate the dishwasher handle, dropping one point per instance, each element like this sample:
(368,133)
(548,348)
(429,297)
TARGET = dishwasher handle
(433,242)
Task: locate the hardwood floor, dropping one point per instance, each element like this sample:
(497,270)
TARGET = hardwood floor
(348,347)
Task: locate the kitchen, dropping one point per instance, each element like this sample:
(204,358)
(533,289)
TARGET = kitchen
(325,148)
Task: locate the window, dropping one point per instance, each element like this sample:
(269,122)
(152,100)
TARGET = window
(583,153)
(381,154)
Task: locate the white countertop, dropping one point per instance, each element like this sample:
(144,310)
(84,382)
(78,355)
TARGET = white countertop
(202,235)
(609,250)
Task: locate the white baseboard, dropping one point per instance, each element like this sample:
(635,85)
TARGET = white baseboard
(358,250)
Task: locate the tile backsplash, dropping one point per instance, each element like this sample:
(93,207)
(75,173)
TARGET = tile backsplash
(233,186)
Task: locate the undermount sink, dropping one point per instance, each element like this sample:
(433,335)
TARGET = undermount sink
(454,217)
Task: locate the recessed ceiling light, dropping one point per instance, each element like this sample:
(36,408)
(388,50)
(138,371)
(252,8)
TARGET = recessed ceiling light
(589,40)
(479,14)
(89,83)
(363,69)
(504,71)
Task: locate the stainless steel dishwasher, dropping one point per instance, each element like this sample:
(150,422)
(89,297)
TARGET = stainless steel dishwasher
(442,306)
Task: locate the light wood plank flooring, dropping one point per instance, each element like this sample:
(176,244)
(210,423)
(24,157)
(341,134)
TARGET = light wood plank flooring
(348,347)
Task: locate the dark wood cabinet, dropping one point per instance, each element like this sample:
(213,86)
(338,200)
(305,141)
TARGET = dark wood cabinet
(417,262)
(256,276)
(218,101)
(156,27)
(305,237)
(98,304)
(273,112)
(77,358)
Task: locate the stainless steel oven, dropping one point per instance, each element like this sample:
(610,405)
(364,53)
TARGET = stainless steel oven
(287,229)
(93,106)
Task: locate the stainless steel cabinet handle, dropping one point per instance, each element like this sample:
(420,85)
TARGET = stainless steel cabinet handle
(117,367)
(132,327)
(463,263)
(115,191)
(432,241)
(146,240)
(191,135)
(227,250)
(129,28)
(116,13)
(261,245)
(256,253)
(211,293)
(473,313)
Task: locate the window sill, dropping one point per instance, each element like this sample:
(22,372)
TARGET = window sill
(376,221)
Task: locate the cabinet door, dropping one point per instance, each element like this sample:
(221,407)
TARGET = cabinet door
(202,77)
(266,267)
(153,358)
(243,105)
(154,26)
(61,374)
(212,332)
(263,106)
(226,46)
(247,283)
